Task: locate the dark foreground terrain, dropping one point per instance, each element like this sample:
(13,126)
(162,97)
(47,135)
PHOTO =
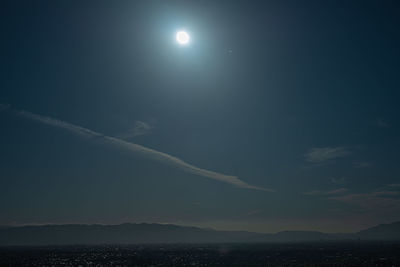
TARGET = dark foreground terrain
(295,254)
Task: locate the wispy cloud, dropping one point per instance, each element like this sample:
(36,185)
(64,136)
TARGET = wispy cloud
(381,123)
(139,128)
(4,106)
(338,181)
(254,212)
(383,200)
(385,193)
(394,185)
(362,164)
(326,193)
(377,200)
(138,149)
(323,154)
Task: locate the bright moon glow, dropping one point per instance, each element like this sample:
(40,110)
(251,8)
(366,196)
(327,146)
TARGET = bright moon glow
(182,37)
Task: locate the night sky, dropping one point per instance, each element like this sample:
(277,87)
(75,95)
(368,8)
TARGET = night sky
(278,115)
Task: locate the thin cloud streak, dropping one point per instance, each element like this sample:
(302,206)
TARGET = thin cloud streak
(323,154)
(139,149)
(326,193)
(378,200)
(140,128)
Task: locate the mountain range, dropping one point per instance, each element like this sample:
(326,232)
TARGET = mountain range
(144,233)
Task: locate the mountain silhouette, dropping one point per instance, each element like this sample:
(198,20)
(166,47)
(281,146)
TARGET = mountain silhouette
(382,231)
(79,234)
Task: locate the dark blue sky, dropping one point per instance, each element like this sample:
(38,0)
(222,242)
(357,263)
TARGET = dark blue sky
(285,113)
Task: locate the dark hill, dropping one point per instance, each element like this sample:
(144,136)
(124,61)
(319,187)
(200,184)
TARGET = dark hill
(118,234)
(167,233)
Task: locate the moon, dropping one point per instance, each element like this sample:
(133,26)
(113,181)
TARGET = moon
(182,37)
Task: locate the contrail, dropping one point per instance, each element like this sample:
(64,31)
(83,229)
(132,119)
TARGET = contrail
(137,149)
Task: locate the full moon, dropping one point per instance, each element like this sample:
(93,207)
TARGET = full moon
(182,37)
